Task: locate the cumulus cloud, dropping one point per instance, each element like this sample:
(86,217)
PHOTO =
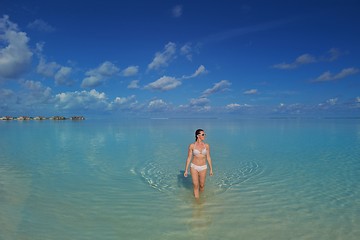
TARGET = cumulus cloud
(47,69)
(98,75)
(123,100)
(85,100)
(8,100)
(196,105)
(328,76)
(123,103)
(294,108)
(332,101)
(251,92)
(164,84)
(62,77)
(130,71)
(199,71)
(61,74)
(162,59)
(236,106)
(133,84)
(15,55)
(177,11)
(41,25)
(35,93)
(202,101)
(218,87)
(157,105)
(32,95)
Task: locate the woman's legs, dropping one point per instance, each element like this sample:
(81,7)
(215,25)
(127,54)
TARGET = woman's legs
(198,179)
(195,180)
(202,178)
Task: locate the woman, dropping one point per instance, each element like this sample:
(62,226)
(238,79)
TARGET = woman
(199,153)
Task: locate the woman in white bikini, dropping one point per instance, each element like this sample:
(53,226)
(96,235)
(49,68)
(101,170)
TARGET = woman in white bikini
(198,154)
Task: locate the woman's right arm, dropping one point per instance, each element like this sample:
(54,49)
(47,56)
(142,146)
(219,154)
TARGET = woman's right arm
(188,160)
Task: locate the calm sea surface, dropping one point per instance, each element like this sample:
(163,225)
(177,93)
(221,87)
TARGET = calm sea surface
(92,179)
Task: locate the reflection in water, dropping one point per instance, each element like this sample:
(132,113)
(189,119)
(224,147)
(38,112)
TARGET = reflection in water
(201,219)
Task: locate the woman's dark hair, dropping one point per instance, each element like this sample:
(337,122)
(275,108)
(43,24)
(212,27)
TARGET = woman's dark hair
(197,132)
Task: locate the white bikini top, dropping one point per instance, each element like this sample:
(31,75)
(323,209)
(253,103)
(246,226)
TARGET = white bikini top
(197,152)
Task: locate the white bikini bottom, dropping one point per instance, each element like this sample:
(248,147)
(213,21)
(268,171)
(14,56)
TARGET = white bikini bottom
(198,168)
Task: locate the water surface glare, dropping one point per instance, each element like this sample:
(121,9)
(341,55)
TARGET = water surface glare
(92,179)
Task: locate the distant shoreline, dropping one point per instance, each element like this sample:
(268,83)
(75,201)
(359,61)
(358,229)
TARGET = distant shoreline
(26,118)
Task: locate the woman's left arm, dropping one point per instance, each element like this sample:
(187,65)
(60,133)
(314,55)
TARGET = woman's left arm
(208,158)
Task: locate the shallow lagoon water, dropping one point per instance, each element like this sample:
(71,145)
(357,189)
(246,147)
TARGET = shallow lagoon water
(108,179)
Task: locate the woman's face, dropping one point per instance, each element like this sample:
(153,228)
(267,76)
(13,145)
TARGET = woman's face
(202,135)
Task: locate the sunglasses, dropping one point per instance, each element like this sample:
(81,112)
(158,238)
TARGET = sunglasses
(203,134)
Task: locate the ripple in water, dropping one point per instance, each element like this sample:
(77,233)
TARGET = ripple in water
(165,178)
(225,179)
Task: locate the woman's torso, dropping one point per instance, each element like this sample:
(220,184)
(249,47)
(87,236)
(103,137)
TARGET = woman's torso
(199,154)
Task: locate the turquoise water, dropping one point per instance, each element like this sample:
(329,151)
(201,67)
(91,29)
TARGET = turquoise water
(92,179)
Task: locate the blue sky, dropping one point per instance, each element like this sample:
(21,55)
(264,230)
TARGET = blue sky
(180,58)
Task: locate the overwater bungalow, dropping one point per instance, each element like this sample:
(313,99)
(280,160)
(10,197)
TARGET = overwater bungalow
(58,118)
(39,118)
(7,118)
(21,118)
(77,118)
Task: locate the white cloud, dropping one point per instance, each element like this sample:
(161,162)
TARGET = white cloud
(301,60)
(47,69)
(236,106)
(328,76)
(199,101)
(130,71)
(196,105)
(123,100)
(61,74)
(177,11)
(15,56)
(62,77)
(123,103)
(218,87)
(98,75)
(332,55)
(357,99)
(332,101)
(106,69)
(33,96)
(157,105)
(199,71)
(35,93)
(233,106)
(251,92)
(164,84)
(133,84)
(41,26)
(294,108)
(162,59)
(92,81)
(186,50)
(8,100)
(306,58)
(85,100)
